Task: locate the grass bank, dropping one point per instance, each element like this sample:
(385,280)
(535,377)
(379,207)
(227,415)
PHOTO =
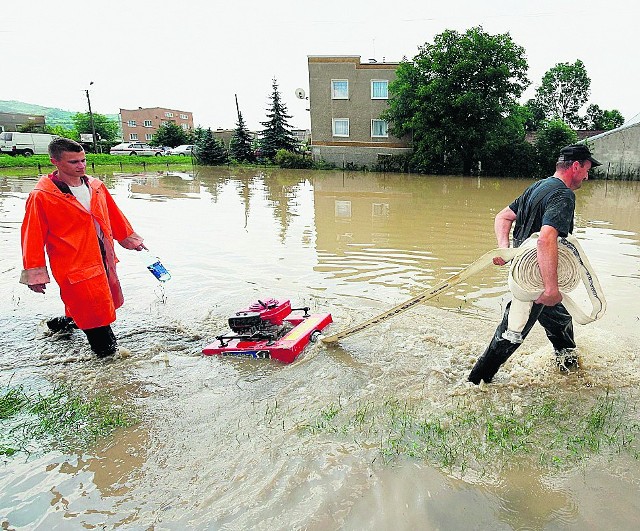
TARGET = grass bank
(61,418)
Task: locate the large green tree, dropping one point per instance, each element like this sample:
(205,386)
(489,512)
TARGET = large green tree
(564,90)
(598,119)
(453,94)
(105,128)
(169,134)
(550,139)
(277,131)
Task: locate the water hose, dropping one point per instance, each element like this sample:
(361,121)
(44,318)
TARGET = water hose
(586,273)
(526,285)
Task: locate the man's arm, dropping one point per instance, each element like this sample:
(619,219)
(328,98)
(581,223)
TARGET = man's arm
(502,227)
(548,262)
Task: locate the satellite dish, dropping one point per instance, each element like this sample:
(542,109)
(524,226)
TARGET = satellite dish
(300,93)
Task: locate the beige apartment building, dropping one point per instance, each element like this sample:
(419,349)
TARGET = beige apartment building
(346,99)
(141,124)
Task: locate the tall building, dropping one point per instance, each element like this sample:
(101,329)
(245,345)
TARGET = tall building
(141,124)
(346,99)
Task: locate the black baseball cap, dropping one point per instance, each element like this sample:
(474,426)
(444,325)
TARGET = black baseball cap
(577,152)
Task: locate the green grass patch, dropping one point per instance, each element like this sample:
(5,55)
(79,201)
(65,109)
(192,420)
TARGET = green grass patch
(478,435)
(99,159)
(61,418)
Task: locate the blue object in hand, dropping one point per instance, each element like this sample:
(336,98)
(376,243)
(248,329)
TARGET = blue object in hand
(154,265)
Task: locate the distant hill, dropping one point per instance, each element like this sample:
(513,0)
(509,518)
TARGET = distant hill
(52,115)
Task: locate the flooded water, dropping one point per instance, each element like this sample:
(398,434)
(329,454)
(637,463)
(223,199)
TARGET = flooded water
(231,443)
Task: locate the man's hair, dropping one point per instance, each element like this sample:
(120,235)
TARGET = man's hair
(566,164)
(59,145)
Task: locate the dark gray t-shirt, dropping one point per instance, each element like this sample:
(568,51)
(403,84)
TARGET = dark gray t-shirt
(546,202)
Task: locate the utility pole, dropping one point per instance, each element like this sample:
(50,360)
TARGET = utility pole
(93,127)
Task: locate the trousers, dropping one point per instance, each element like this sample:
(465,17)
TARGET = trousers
(556,322)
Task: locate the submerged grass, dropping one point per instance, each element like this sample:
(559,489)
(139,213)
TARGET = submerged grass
(481,434)
(62,418)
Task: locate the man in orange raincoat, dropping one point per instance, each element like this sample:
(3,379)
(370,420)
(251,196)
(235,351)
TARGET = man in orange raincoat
(75,220)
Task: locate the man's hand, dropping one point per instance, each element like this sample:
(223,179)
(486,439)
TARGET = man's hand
(549,298)
(498,260)
(38,288)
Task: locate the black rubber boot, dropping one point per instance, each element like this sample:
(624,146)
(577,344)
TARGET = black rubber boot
(61,324)
(102,340)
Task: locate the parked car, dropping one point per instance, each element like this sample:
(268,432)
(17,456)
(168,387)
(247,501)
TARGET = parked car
(136,148)
(185,149)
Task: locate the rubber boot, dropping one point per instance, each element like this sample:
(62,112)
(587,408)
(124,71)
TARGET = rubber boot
(61,324)
(102,341)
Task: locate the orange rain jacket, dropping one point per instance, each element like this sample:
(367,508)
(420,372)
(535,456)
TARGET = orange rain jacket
(89,286)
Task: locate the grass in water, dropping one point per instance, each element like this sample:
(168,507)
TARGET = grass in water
(60,418)
(476,435)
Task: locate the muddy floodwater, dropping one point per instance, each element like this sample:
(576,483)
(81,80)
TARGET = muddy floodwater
(235,443)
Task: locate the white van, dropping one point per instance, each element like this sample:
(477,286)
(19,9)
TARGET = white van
(26,144)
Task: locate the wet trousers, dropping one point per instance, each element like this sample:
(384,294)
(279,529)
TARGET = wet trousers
(556,322)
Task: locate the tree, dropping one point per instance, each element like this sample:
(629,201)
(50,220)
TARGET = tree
(551,138)
(169,134)
(506,152)
(277,133)
(240,145)
(209,150)
(598,119)
(106,130)
(564,90)
(453,94)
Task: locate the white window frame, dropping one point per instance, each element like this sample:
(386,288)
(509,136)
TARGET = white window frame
(148,123)
(333,127)
(386,135)
(168,114)
(386,97)
(132,123)
(133,136)
(334,93)
(184,126)
(148,136)
(184,117)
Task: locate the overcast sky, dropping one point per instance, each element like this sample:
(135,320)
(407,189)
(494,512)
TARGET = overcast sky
(194,55)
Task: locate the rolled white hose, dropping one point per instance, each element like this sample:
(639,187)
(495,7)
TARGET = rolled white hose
(526,284)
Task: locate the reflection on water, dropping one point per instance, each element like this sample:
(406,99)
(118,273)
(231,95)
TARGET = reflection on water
(220,444)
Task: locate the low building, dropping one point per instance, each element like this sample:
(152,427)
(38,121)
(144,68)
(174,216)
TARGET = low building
(10,121)
(619,152)
(142,123)
(346,99)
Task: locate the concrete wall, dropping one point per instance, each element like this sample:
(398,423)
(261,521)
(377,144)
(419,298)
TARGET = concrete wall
(619,152)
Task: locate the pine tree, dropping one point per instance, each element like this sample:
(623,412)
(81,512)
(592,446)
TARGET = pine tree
(210,151)
(277,133)
(240,145)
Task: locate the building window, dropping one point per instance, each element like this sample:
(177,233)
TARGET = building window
(339,89)
(168,114)
(379,89)
(133,136)
(163,122)
(341,127)
(184,126)
(342,209)
(379,128)
(148,136)
(131,123)
(147,123)
(184,116)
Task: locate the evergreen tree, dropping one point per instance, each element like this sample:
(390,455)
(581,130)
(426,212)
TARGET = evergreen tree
(210,151)
(277,133)
(240,145)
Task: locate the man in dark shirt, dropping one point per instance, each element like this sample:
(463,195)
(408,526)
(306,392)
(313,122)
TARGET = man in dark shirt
(546,207)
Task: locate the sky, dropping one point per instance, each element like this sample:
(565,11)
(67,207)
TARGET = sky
(196,55)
